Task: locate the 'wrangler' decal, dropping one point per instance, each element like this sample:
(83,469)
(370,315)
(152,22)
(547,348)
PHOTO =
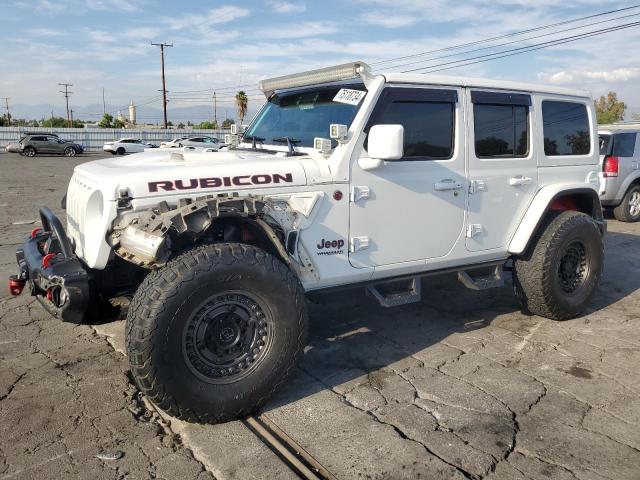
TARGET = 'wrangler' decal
(213,182)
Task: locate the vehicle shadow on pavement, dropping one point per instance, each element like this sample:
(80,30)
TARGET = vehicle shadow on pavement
(351,337)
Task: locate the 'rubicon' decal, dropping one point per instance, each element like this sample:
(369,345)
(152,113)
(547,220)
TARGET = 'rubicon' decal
(213,182)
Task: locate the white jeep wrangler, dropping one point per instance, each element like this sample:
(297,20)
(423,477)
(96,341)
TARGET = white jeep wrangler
(343,179)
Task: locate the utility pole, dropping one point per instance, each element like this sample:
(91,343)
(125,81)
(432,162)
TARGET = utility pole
(104,108)
(66,94)
(164,86)
(6,104)
(215,109)
(71,118)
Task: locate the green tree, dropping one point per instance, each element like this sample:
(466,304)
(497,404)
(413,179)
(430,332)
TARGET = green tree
(242,103)
(181,125)
(3,121)
(117,123)
(227,123)
(55,122)
(609,109)
(208,125)
(106,122)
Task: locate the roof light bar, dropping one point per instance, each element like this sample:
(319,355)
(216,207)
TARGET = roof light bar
(312,77)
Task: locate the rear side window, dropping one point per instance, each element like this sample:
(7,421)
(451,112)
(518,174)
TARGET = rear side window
(604,143)
(427,117)
(624,144)
(501,130)
(566,128)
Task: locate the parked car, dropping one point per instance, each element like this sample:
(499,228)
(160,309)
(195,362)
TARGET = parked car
(620,176)
(38,143)
(196,142)
(125,145)
(172,143)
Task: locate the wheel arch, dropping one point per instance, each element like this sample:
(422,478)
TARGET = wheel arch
(555,198)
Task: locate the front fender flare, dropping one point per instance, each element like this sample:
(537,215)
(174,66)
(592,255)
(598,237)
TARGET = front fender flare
(541,204)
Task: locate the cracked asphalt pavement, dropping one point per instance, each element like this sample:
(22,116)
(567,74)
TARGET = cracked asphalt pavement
(460,385)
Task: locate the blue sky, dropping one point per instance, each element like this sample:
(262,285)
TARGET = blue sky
(224,45)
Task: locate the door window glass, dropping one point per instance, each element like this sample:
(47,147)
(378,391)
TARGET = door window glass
(501,130)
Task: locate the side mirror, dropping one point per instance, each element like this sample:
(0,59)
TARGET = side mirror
(386,142)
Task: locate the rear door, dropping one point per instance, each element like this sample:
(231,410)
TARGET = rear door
(39,143)
(503,172)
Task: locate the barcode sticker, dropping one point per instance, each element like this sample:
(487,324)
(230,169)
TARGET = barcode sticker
(351,97)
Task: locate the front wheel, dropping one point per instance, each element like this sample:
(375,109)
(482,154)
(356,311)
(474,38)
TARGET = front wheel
(559,274)
(70,152)
(120,151)
(29,152)
(629,209)
(214,333)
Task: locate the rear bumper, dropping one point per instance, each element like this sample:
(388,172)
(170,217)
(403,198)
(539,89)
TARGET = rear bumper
(56,277)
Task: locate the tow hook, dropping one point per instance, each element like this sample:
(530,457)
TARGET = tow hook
(16,285)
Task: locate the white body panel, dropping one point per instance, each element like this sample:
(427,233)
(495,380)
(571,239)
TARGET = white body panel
(396,217)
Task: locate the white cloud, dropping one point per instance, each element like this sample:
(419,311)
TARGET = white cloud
(223,14)
(46,32)
(287,7)
(574,77)
(113,5)
(388,20)
(101,36)
(299,30)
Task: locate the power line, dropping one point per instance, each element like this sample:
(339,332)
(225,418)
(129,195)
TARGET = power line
(517,51)
(507,35)
(164,86)
(66,94)
(534,37)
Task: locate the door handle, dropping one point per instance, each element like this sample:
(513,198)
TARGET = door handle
(447,184)
(520,180)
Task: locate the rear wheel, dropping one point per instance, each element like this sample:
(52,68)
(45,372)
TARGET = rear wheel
(120,151)
(213,334)
(629,209)
(29,152)
(559,274)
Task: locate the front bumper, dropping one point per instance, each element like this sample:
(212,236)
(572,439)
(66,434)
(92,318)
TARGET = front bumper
(56,277)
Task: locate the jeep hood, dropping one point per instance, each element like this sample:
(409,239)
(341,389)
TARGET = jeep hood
(162,174)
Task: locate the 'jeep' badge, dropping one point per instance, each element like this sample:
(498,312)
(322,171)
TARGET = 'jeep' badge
(330,247)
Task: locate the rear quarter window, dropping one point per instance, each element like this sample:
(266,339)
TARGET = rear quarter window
(566,128)
(624,144)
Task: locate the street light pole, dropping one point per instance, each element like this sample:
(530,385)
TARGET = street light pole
(164,86)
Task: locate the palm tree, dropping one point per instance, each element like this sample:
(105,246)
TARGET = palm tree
(241,104)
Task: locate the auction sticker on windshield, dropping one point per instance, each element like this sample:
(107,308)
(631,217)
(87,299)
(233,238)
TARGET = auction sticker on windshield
(351,97)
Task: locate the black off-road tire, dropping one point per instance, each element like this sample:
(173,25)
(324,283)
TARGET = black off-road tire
(543,277)
(628,210)
(162,331)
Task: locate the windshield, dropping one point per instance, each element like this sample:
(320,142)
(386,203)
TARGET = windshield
(302,115)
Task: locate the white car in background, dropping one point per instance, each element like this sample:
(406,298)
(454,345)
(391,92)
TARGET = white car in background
(194,143)
(126,145)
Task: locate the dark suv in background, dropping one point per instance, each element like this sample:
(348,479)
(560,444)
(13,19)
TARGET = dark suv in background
(45,143)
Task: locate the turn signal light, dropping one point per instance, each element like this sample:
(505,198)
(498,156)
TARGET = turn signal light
(16,285)
(611,166)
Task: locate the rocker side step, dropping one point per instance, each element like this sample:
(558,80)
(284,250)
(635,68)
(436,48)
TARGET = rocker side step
(401,292)
(483,281)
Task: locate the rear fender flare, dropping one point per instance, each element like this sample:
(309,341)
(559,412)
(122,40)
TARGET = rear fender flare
(544,201)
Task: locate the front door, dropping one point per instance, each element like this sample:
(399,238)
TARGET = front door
(503,171)
(411,209)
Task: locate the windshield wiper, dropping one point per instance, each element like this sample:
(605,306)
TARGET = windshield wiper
(291,142)
(254,139)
